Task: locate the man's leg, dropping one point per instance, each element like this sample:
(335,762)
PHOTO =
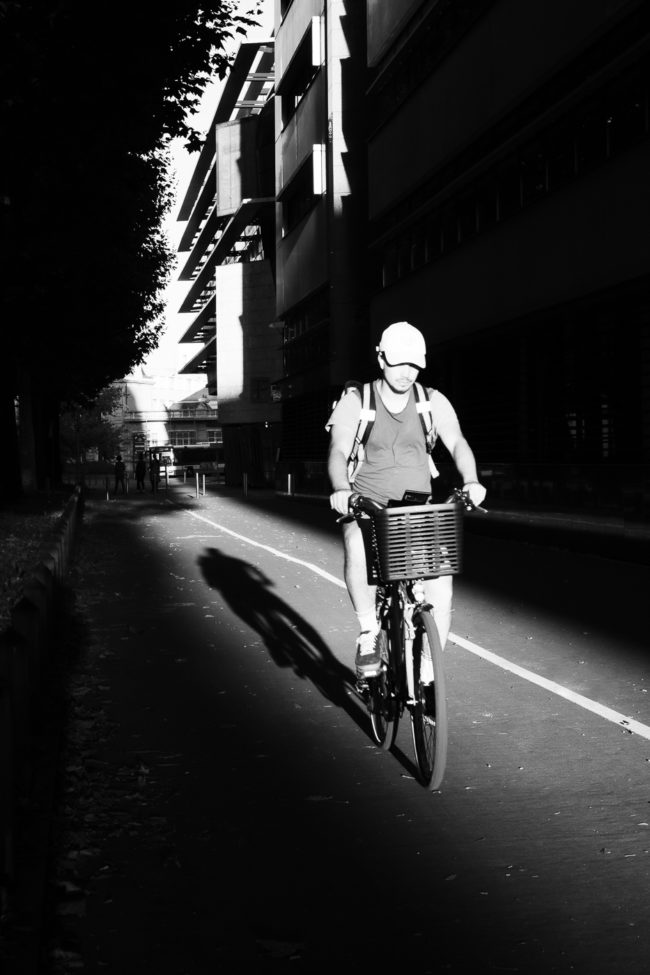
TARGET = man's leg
(356,576)
(368,655)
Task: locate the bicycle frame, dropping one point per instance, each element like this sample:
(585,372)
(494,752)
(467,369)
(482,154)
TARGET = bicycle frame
(412,635)
(401,607)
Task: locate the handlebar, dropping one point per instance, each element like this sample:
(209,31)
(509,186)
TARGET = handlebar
(462,497)
(359,505)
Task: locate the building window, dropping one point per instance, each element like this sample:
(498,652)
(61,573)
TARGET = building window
(302,70)
(606,124)
(534,176)
(215,435)
(591,141)
(298,197)
(260,389)
(306,335)
(182,438)
(467,220)
(486,207)
(627,116)
(561,157)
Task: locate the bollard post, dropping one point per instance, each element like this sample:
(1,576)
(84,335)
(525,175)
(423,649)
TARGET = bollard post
(204,485)
(197,485)
(108,497)
(289,484)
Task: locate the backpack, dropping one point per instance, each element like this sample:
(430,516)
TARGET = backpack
(366,392)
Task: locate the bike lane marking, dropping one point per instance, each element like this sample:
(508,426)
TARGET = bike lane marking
(625,722)
(269,548)
(616,717)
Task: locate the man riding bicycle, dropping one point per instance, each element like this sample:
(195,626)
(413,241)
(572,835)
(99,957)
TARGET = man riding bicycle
(396,460)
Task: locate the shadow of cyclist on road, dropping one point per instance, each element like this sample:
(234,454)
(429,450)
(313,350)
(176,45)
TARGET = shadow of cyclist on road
(289,638)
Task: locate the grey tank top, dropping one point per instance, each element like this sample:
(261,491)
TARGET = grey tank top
(396,457)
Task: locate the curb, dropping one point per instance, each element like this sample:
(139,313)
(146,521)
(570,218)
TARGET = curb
(25,655)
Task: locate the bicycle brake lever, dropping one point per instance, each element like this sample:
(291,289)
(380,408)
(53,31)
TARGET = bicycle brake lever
(344,519)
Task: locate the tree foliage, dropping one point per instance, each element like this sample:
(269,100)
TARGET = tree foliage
(88,428)
(87,110)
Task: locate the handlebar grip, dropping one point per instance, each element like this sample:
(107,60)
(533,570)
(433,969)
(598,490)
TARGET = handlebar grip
(463,498)
(358,503)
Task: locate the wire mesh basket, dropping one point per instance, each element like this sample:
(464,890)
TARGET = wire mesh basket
(414,542)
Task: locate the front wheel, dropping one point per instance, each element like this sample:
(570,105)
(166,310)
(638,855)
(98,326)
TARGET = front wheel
(429,710)
(382,700)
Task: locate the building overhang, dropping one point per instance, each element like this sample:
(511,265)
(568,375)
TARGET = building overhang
(238,75)
(205,200)
(232,232)
(202,325)
(201,361)
(242,218)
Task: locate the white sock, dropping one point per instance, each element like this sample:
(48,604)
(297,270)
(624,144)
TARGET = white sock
(367,621)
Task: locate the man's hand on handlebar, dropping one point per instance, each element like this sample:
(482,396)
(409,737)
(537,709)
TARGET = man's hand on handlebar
(340,500)
(475,492)
(465,496)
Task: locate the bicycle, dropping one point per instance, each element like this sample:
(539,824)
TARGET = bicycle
(405,544)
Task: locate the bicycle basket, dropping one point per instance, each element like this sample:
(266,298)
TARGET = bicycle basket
(419,542)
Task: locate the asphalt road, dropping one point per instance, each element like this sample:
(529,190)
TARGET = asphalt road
(223,809)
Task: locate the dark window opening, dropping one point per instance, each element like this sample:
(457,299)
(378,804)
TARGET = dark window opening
(605,125)
(298,197)
(298,78)
(534,176)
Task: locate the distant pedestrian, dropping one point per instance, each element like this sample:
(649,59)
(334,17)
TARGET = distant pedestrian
(154,473)
(120,471)
(140,471)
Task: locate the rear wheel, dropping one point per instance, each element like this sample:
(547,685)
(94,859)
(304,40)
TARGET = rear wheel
(429,711)
(382,699)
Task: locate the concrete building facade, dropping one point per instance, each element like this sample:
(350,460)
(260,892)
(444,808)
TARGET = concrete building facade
(508,204)
(477,167)
(228,247)
(320,219)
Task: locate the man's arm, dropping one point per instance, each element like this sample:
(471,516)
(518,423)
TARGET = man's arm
(463,457)
(341,443)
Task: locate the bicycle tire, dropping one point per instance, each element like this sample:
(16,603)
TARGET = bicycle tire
(382,702)
(429,711)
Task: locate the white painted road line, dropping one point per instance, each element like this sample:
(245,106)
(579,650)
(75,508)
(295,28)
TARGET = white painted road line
(273,551)
(626,723)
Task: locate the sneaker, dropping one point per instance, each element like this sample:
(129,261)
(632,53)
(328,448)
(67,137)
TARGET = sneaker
(368,658)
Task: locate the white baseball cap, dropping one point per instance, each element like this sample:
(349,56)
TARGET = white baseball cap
(402,342)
